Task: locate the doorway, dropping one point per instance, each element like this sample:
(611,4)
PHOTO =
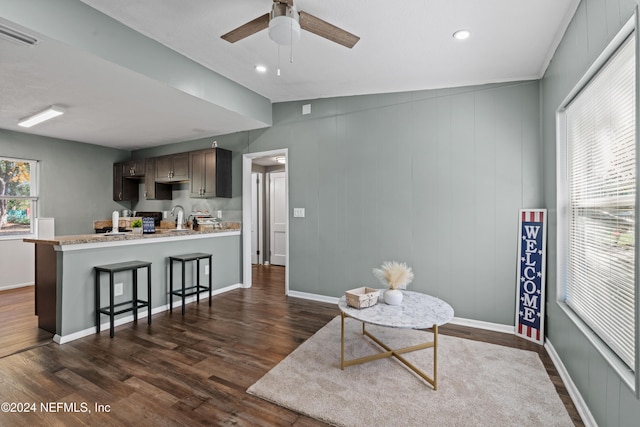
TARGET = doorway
(265,206)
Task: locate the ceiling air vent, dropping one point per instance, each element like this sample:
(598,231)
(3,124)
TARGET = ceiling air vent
(16,36)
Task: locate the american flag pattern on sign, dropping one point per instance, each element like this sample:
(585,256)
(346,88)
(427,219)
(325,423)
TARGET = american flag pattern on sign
(530,303)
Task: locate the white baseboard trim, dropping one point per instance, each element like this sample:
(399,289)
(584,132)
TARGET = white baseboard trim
(63,339)
(313,297)
(16,286)
(581,405)
(479,324)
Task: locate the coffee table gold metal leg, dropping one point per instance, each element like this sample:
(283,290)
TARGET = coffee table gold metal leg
(435,357)
(342,342)
(394,353)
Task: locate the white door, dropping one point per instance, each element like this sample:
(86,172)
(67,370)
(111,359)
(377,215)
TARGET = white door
(256,218)
(278,217)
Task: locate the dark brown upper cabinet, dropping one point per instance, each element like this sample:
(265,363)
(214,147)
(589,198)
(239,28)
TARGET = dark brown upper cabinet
(210,173)
(154,190)
(123,189)
(172,168)
(134,168)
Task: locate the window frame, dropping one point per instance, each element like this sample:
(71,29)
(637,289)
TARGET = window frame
(630,377)
(33,198)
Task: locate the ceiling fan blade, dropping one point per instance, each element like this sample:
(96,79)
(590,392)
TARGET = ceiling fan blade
(251,27)
(328,31)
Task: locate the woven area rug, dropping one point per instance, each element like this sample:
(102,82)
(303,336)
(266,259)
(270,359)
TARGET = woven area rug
(479,384)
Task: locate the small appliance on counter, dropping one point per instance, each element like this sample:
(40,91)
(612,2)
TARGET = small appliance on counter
(204,221)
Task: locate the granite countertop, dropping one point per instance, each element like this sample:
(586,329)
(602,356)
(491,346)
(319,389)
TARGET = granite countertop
(127,236)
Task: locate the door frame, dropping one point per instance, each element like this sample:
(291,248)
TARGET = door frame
(247,160)
(257,196)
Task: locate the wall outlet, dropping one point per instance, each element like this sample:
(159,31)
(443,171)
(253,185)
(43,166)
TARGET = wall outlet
(206,270)
(118,289)
(219,214)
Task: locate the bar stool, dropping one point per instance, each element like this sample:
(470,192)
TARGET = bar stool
(189,290)
(131,305)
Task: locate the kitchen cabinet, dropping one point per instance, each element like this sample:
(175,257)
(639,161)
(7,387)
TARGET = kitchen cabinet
(123,188)
(134,168)
(210,173)
(154,190)
(172,168)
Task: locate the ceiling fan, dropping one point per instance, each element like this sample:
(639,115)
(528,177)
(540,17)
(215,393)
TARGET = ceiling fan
(284,23)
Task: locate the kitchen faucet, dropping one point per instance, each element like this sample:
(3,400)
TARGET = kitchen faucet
(180,217)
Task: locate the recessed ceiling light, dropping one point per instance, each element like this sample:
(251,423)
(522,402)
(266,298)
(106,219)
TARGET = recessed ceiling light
(261,68)
(461,34)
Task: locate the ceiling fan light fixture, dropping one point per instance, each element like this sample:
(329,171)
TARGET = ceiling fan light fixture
(284,25)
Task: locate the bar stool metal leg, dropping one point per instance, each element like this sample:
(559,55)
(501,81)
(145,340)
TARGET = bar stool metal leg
(97,297)
(111,310)
(210,276)
(170,285)
(135,294)
(149,294)
(198,280)
(183,287)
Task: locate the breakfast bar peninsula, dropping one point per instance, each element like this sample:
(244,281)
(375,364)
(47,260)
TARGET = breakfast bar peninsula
(65,278)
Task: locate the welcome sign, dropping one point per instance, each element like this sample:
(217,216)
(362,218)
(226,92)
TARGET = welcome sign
(530,303)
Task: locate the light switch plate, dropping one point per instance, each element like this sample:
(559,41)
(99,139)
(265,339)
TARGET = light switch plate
(298,212)
(118,289)
(306,109)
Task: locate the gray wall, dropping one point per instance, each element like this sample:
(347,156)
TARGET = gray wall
(595,23)
(433,178)
(75,188)
(75,178)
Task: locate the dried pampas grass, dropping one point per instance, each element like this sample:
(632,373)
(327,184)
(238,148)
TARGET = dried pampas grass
(395,275)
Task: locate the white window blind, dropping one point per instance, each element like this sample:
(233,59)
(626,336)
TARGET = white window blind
(601,155)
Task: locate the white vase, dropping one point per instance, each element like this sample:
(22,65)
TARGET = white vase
(393,297)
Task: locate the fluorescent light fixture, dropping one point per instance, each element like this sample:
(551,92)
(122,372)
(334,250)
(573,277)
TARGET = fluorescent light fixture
(461,34)
(49,113)
(16,36)
(261,68)
(281,159)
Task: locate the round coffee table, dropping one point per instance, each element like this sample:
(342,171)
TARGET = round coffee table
(417,311)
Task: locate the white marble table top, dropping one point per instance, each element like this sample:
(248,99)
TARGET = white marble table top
(417,311)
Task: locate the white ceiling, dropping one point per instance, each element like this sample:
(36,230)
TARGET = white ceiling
(405,45)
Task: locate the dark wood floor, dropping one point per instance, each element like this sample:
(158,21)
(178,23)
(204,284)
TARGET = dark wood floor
(191,370)
(18,323)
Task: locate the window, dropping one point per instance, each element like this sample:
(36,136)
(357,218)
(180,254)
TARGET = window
(18,196)
(597,204)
